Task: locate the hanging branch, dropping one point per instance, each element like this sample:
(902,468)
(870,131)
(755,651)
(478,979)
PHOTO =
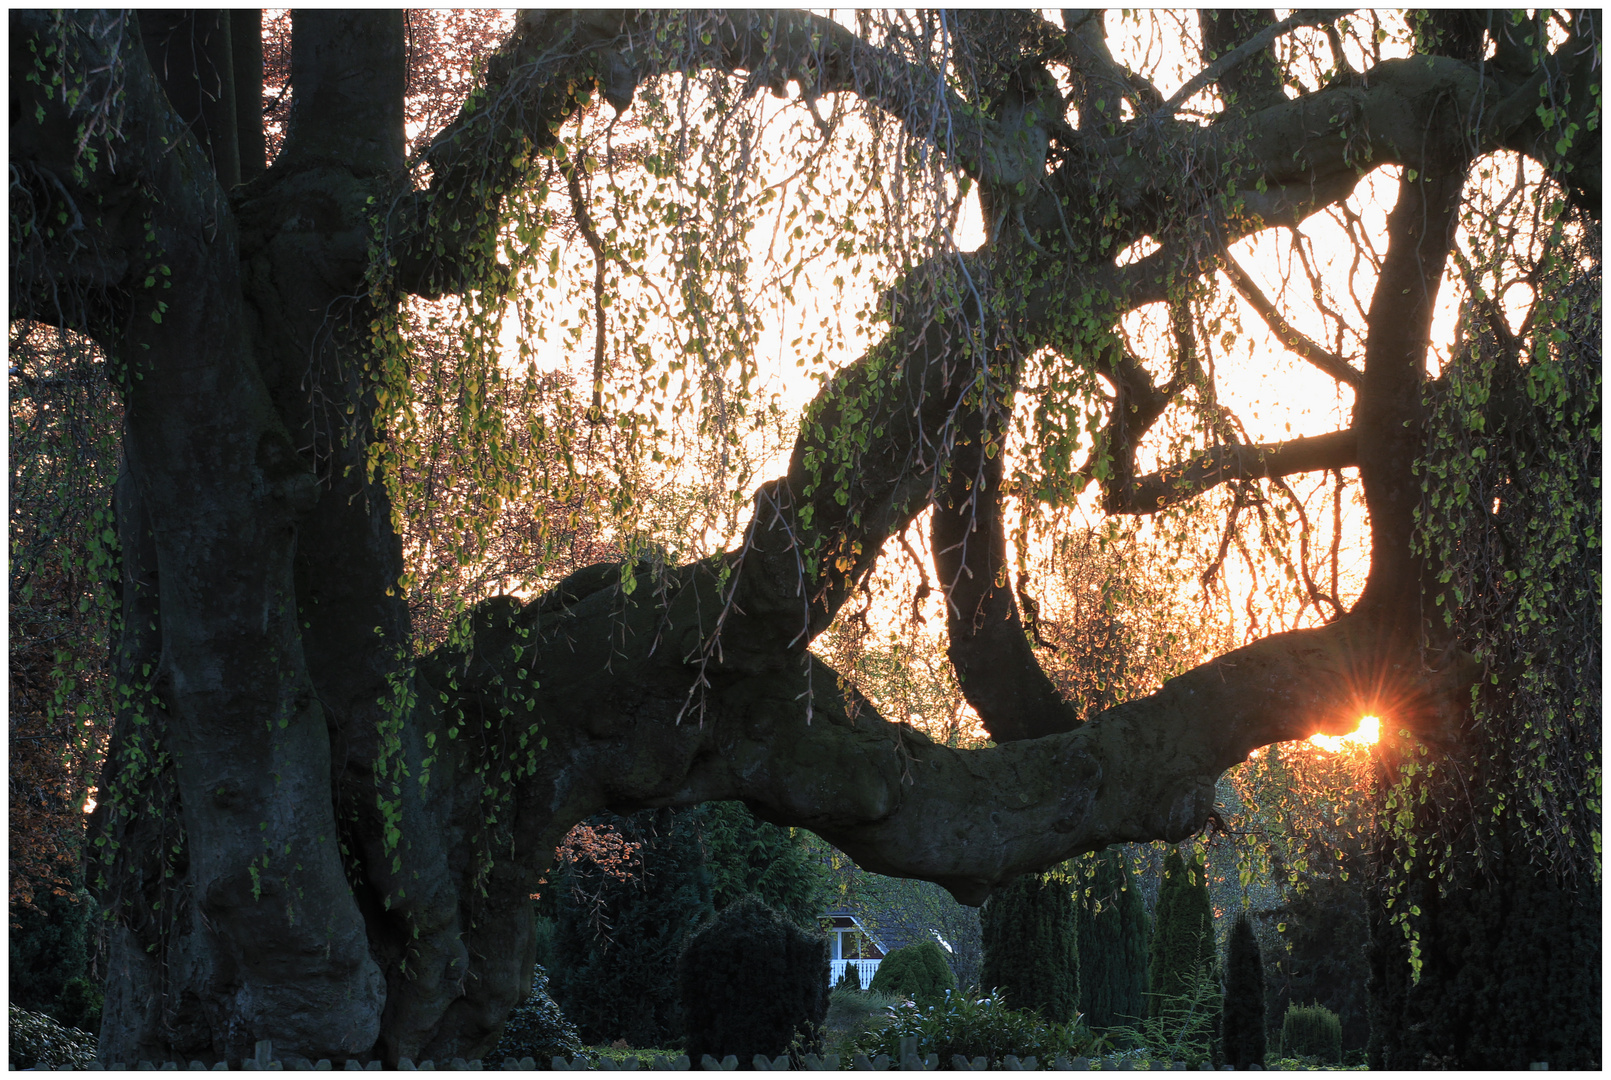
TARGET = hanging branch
(584,223)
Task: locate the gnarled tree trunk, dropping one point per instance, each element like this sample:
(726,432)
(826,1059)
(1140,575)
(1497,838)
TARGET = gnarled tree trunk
(310,836)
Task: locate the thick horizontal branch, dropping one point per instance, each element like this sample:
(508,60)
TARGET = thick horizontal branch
(786,740)
(1233,461)
(544,76)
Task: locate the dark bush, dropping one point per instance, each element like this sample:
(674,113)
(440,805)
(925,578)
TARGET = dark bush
(1312,1031)
(1242,1023)
(1031,946)
(537,1029)
(1113,934)
(751,983)
(49,947)
(982,1027)
(617,941)
(919,971)
(851,979)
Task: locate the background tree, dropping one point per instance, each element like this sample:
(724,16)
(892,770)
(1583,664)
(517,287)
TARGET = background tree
(619,937)
(1031,946)
(1183,944)
(282,740)
(1321,954)
(746,856)
(50,966)
(1242,1023)
(1113,937)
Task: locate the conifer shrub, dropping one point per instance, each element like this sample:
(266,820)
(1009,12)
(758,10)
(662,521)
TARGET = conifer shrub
(750,857)
(1312,1031)
(538,1029)
(752,983)
(1113,934)
(1031,946)
(850,980)
(1182,944)
(919,971)
(1242,1021)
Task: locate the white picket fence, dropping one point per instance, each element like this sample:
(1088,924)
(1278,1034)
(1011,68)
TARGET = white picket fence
(864,968)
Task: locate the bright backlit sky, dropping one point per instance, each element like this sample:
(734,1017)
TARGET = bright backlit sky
(1275,394)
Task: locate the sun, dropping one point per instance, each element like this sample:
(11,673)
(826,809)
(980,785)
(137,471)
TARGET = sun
(1369,730)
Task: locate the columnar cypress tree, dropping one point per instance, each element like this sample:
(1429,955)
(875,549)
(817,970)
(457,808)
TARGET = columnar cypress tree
(1242,1022)
(1031,946)
(1113,932)
(1182,936)
(616,964)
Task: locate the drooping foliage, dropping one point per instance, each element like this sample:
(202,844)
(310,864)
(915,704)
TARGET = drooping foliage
(752,983)
(62,442)
(1031,946)
(1490,842)
(1182,946)
(1242,1021)
(1113,936)
(1538,947)
(619,938)
(918,971)
(268,344)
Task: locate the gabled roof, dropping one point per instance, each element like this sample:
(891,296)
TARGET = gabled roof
(887,927)
(878,939)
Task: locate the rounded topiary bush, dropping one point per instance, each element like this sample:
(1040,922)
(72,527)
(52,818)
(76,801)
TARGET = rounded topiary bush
(537,1029)
(919,971)
(1312,1031)
(751,982)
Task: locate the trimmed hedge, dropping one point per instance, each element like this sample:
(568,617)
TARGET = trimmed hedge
(919,971)
(752,983)
(983,1027)
(1312,1031)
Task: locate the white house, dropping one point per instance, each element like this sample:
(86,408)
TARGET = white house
(851,943)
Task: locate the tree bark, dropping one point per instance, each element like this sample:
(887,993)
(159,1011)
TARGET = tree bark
(322,840)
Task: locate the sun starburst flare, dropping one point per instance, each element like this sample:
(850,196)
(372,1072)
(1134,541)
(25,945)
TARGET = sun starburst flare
(1369,730)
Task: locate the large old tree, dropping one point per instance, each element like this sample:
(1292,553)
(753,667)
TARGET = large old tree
(312,831)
